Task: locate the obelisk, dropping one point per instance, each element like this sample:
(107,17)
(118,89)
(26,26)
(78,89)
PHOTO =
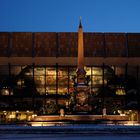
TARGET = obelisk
(81,62)
(80,47)
(81,89)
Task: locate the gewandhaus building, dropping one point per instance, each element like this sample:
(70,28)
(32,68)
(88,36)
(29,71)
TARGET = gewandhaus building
(38,73)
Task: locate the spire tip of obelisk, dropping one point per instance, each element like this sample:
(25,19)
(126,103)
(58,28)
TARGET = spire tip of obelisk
(80,25)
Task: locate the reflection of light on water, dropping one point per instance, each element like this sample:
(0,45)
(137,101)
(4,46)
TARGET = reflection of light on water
(131,123)
(49,124)
(128,123)
(41,124)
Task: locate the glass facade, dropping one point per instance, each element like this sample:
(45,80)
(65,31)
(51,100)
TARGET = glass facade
(48,80)
(44,80)
(35,87)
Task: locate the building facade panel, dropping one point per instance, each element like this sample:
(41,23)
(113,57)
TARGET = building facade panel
(67,44)
(115,44)
(45,45)
(134,44)
(4,44)
(21,44)
(94,44)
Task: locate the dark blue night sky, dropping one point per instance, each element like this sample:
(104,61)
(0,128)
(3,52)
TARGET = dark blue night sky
(63,15)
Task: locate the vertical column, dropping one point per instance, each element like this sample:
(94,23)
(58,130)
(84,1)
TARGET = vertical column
(91,79)
(56,78)
(137,69)
(138,88)
(114,70)
(103,97)
(56,83)
(45,87)
(57,46)
(68,79)
(126,44)
(33,94)
(46,92)
(103,74)
(33,44)
(126,71)
(104,49)
(9,49)
(9,80)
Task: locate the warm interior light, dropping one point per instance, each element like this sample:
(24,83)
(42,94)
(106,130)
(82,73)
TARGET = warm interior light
(120,91)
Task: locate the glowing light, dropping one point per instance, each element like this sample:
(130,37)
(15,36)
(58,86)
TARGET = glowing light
(34,115)
(120,91)
(41,124)
(12,116)
(122,115)
(4,112)
(5,92)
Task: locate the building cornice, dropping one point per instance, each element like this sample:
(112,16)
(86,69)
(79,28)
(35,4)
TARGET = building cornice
(89,61)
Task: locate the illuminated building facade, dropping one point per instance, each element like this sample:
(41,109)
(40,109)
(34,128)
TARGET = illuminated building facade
(38,69)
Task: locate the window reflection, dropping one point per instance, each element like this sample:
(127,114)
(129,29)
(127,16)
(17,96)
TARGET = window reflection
(50,90)
(40,80)
(41,90)
(88,70)
(97,80)
(39,71)
(94,90)
(72,74)
(50,71)
(63,80)
(15,70)
(97,71)
(48,81)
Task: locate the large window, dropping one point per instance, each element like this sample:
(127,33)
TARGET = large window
(39,77)
(72,78)
(96,78)
(50,80)
(62,80)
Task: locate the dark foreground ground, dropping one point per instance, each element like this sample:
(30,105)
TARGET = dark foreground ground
(74,132)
